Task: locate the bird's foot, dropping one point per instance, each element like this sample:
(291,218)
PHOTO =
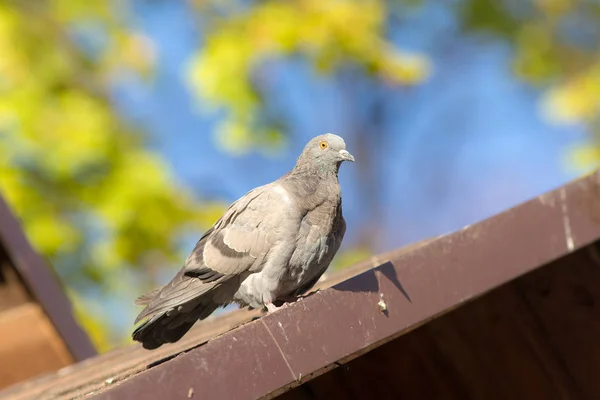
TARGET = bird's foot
(284,301)
(272,307)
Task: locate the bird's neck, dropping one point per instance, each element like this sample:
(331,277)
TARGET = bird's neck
(321,169)
(313,184)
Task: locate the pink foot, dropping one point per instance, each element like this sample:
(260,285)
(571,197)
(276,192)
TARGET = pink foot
(272,307)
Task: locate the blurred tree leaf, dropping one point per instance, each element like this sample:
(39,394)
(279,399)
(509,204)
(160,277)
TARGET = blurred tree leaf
(576,99)
(557,47)
(487,15)
(90,196)
(584,157)
(330,34)
(349,257)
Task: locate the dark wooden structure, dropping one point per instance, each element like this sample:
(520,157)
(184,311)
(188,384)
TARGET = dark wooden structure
(37,329)
(507,308)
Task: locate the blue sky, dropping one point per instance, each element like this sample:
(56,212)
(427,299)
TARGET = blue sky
(466,144)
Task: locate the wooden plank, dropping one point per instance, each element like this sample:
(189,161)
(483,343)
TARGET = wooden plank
(12,290)
(43,284)
(565,304)
(401,369)
(30,346)
(111,368)
(534,338)
(497,353)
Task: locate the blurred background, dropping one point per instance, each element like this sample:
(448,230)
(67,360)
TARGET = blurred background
(127,126)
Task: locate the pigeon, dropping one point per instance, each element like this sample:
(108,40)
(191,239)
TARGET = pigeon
(270,246)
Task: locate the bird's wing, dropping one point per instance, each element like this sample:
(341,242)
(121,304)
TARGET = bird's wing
(245,234)
(238,242)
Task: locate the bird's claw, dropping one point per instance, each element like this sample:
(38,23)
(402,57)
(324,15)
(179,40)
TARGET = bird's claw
(284,301)
(272,307)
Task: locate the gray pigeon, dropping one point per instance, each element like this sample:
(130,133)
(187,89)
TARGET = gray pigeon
(271,245)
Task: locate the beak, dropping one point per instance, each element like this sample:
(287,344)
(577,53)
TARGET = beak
(346,156)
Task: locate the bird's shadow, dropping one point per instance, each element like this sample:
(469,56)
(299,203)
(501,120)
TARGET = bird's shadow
(369,281)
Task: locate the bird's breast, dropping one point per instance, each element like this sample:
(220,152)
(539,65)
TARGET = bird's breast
(313,244)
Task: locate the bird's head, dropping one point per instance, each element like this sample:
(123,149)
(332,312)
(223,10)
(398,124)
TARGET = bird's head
(325,151)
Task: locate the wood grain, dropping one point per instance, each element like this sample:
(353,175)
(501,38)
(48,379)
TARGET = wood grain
(534,338)
(30,345)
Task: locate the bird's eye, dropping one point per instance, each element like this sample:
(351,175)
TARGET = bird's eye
(323,145)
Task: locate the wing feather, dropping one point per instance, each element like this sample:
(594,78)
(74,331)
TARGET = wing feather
(237,243)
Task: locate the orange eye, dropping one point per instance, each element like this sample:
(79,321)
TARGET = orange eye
(323,145)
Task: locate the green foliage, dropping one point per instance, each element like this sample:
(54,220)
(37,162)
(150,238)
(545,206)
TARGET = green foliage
(350,257)
(488,15)
(330,34)
(548,54)
(337,33)
(90,196)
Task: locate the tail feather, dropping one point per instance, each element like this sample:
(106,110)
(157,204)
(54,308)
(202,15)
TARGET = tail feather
(147,297)
(165,328)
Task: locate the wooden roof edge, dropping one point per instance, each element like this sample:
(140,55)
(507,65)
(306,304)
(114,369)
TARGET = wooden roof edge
(43,284)
(405,290)
(392,294)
